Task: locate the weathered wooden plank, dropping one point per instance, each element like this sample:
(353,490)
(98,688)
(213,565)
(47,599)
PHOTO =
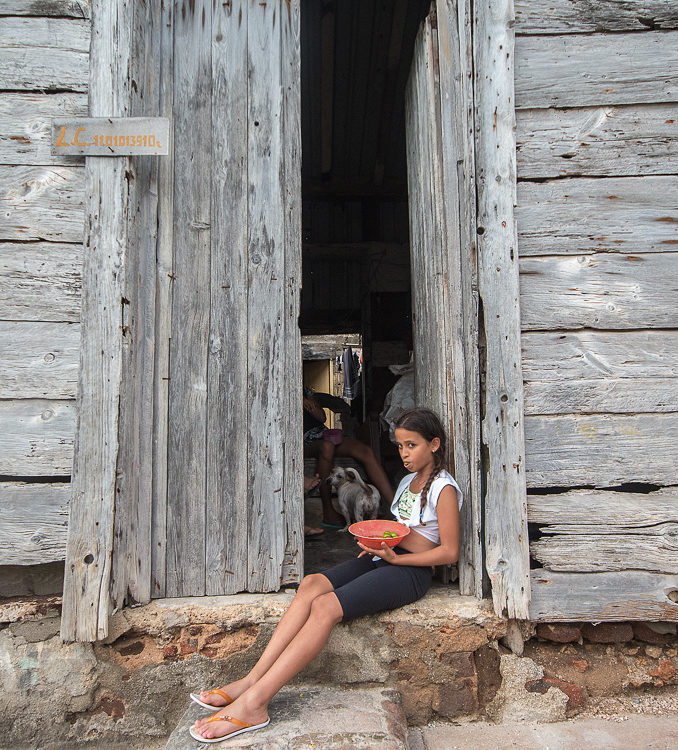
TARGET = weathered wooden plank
(602,141)
(292,564)
(636,215)
(42,203)
(579,510)
(226,511)
(131,563)
(593,597)
(25,121)
(74,8)
(654,549)
(39,360)
(605,290)
(458,175)
(33,522)
(601,450)
(163,326)
(86,599)
(506,542)
(581,70)
(579,16)
(600,372)
(44,53)
(40,281)
(187,448)
(265,299)
(36,438)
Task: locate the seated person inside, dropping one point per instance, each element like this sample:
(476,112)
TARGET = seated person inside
(317,446)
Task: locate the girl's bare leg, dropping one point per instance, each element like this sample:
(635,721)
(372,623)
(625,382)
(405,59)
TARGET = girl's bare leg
(290,624)
(363,453)
(252,705)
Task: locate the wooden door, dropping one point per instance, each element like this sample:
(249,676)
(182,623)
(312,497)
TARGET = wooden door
(188,469)
(442,229)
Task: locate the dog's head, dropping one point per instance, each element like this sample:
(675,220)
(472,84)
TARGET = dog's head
(339,476)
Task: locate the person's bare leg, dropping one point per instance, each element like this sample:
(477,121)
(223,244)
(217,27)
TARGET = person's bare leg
(365,454)
(252,705)
(290,624)
(325,453)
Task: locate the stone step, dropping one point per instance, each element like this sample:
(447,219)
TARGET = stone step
(318,718)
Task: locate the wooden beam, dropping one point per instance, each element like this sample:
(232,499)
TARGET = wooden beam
(326,85)
(86,601)
(594,597)
(74,8)
(506,541)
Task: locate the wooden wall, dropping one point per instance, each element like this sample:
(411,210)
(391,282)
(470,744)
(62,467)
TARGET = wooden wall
(597,214)
(44,53)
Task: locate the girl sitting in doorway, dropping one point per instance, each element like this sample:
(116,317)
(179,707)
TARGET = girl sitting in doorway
(428,500)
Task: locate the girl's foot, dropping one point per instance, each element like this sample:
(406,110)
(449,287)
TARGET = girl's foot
(242,709)
(233,689)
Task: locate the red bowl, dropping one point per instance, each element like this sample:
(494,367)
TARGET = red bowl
(371,533)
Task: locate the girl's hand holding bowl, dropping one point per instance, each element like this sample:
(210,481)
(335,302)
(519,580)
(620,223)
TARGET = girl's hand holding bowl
(378,536)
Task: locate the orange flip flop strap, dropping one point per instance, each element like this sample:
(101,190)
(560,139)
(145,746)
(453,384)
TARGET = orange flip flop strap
(215,717)
(219,691)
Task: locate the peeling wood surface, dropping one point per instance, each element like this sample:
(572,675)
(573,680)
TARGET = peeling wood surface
(506,541)
(610,291)
(600,372)
(25,127)
(74,8)
(33,522)
(39,360)
(44,53)
(601,141)
(37,437)
(601,450)
(575,216)
(576,70)
(42,203)
(581,16)
(593,597)
(40,281)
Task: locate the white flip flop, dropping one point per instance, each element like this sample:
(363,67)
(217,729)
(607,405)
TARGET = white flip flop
(210,706)
(245,728)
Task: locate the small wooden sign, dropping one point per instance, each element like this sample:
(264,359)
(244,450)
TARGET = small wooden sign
(111,136)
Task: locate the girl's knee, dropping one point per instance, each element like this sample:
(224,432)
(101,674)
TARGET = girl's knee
(314,585)
(327,607)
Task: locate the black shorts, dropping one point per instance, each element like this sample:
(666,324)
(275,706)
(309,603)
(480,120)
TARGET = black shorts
(364,586)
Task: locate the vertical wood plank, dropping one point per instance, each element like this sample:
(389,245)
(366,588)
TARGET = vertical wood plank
(506,539)
(226,505)
(290,178)
(131,567)
(86,602)
(163,312)
(187,425)
(456,116)
(266,311)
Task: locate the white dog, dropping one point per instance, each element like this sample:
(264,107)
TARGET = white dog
(355,498)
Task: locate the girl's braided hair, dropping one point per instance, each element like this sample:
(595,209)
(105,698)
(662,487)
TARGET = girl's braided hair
(427,424)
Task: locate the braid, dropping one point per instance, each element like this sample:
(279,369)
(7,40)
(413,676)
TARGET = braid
(437,468)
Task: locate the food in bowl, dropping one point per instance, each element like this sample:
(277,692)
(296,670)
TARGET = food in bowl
(373,533)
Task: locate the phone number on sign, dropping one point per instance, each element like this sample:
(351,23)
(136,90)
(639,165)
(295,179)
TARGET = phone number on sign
(109,141)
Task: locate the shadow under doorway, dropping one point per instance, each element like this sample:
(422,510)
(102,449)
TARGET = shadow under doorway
(355,63)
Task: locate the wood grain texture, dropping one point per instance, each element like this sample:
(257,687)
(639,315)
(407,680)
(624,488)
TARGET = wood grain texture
(601,141)
(25,126)
(604,290)
(581,372)
(44,53)
(227,458)
(39,360)
(42,203)
(581,70)
(601,450)
(36,437)
(187,425)
(580,16)
(74,8)
(33,522)
(40,281)
(86,600)
(594,597)
(575,216)
(506,542)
